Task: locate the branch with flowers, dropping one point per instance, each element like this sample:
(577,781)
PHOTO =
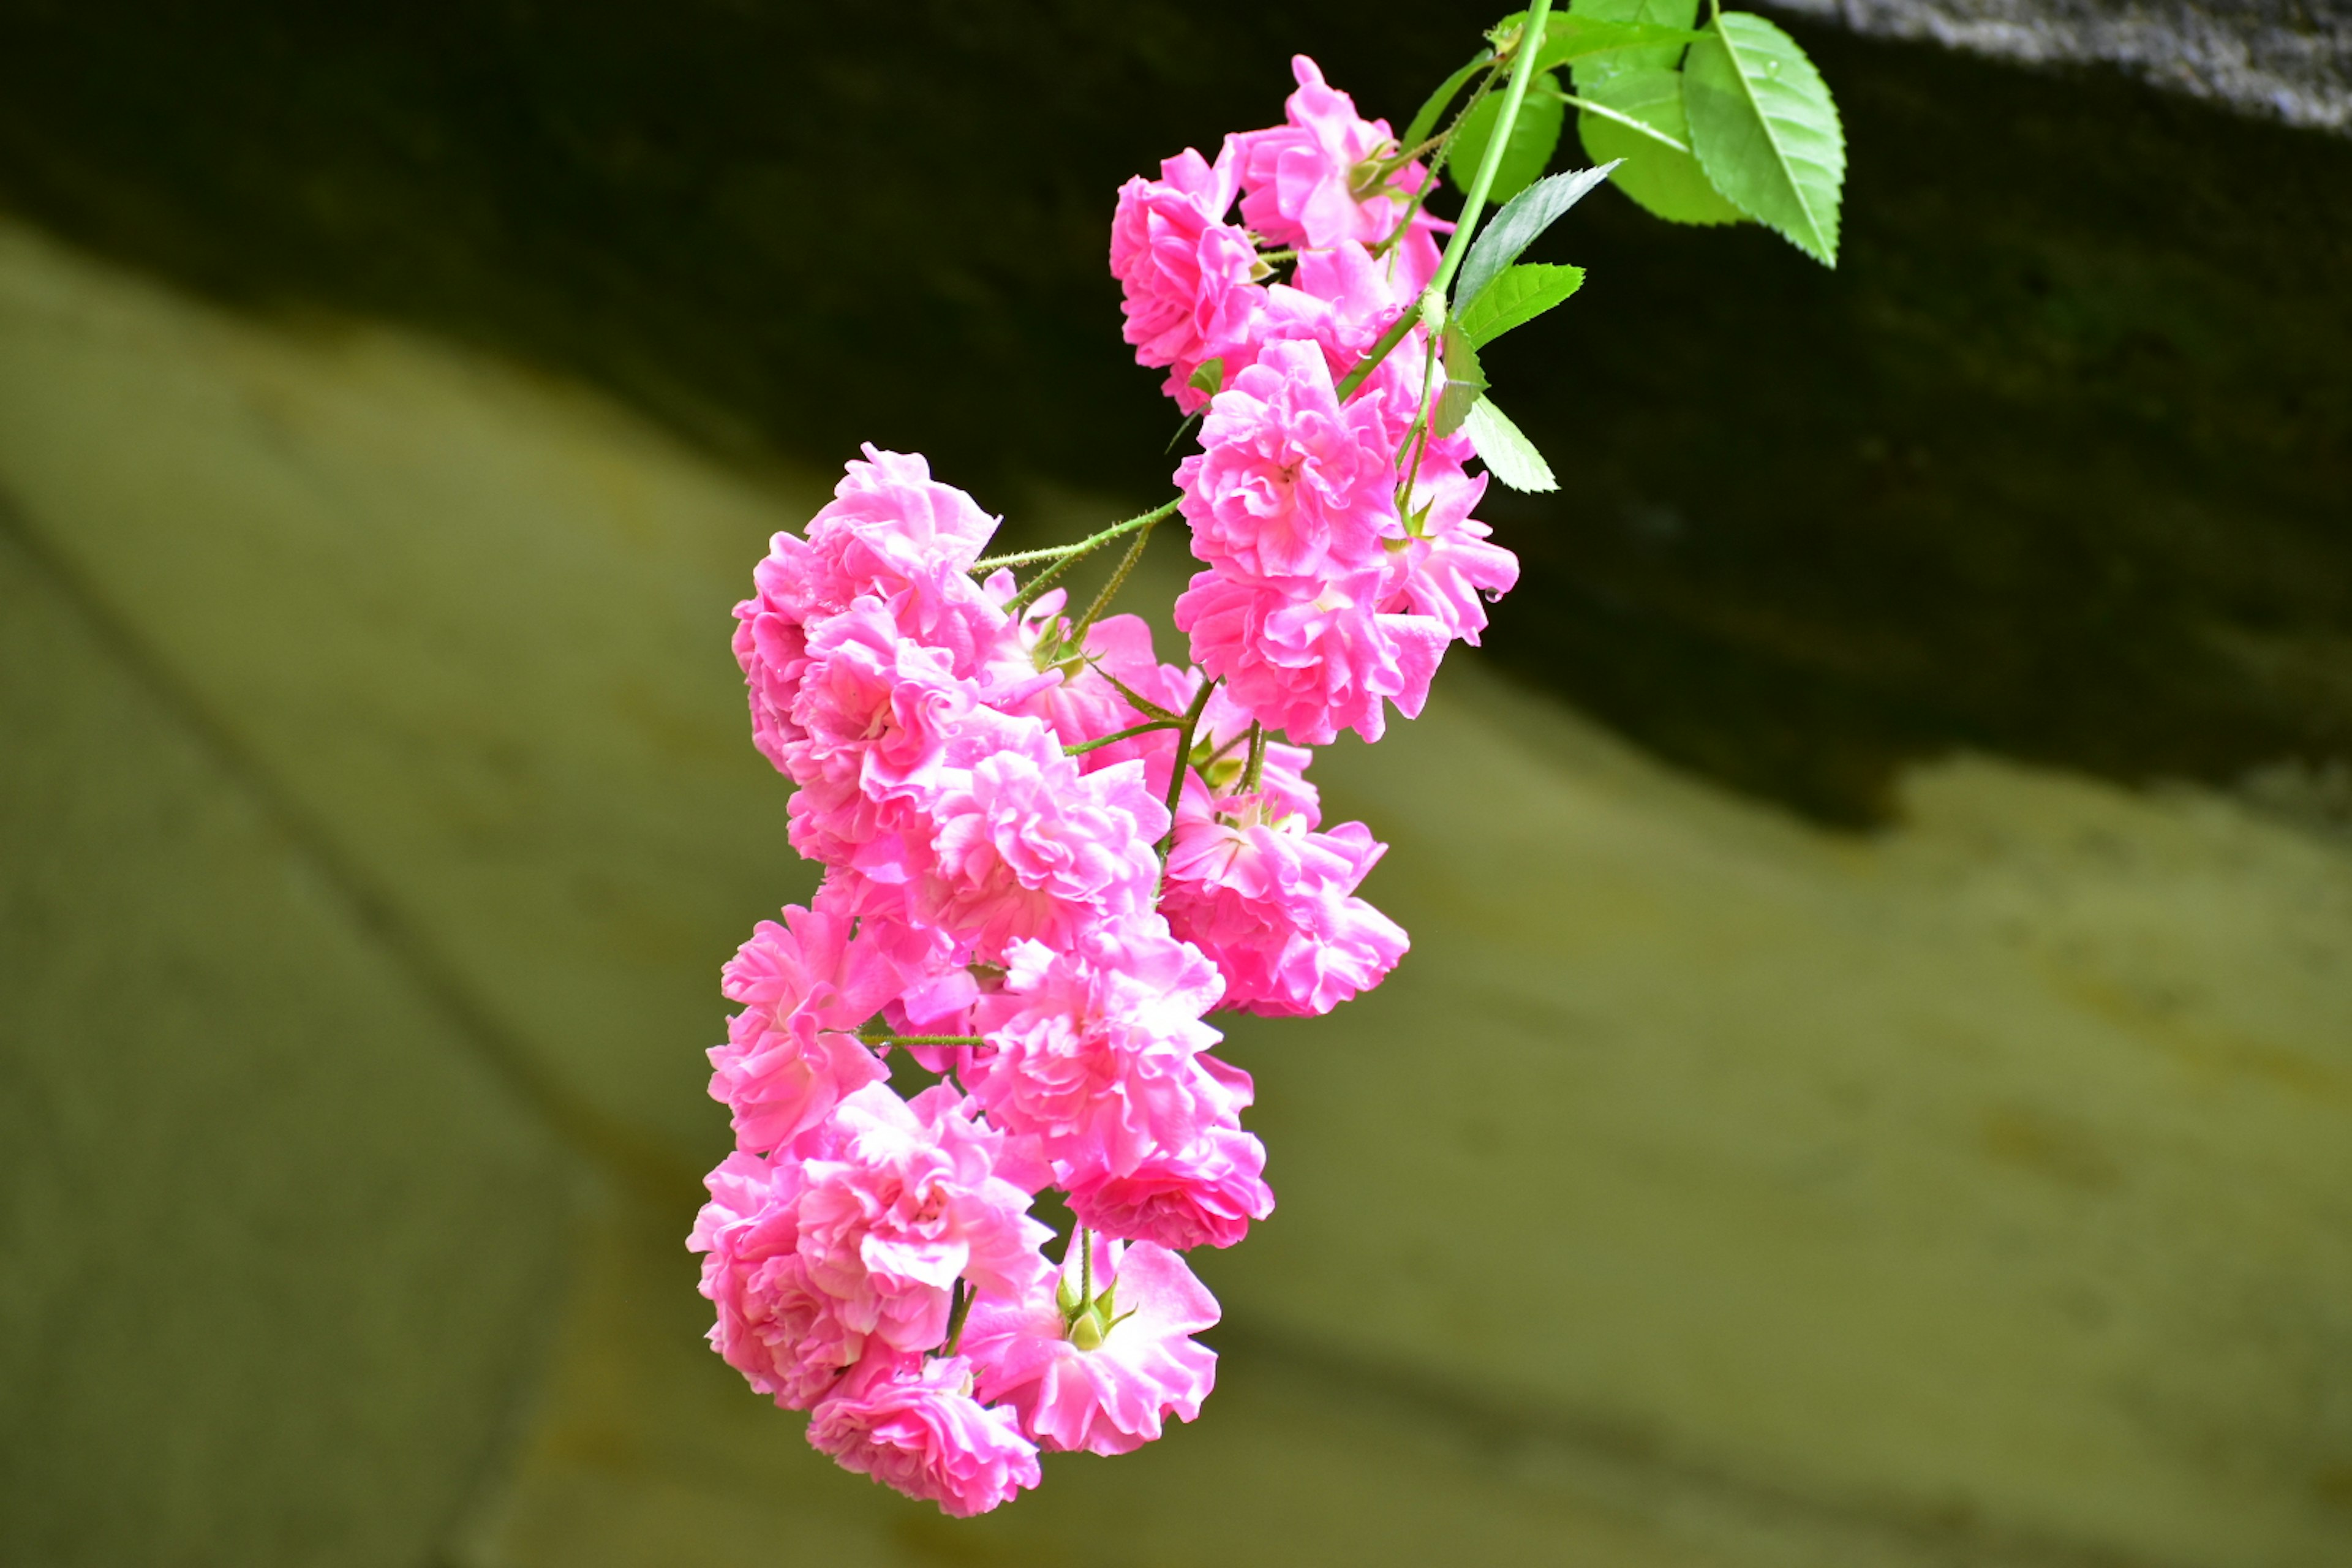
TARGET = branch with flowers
(1050,857)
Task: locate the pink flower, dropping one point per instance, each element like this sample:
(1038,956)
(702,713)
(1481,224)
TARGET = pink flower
(892,531)
(905,1200)
(1205,1193)
(774,1326)
(1188,275)
(1311,659)
(915,1428)
(1445,569)
(1028,847)
(1299,179)
(1107,1389)
(1272,903)
(793,1052)
(1096,1047)
(1289,484)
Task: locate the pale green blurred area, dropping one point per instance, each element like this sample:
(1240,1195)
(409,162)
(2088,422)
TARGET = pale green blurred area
(1707,1189)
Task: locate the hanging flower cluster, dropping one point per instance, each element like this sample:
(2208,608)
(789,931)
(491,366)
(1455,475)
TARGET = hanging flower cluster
(1049,858)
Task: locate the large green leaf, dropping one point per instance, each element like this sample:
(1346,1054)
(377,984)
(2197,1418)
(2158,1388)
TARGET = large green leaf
(1766,132)
(1666,180)
(1517,295)
(1583,32)
(1426,120)
(1534,136)
(1675,16)
(1522,219)
(1508,455)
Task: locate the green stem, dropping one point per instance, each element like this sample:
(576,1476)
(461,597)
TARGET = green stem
(1186,726)
(1627,120)
(1474,200)
(965,1296)
(1086,1267)
(1256,765)
(923,1040)
(1082,747)
(1117,581)
(1092,541)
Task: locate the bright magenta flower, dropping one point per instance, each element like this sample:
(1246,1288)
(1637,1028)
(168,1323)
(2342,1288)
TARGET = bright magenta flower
(915,1427)
(1106,1388)
(1188,276)
(1303,180)
(791,1054)
(1205,1193)
(1311,659)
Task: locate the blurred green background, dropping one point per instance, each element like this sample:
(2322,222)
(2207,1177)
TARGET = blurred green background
(1874,1081)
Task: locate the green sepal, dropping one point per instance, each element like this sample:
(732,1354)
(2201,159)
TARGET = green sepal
(1517,295)
(1509,456)
(1766,131)
(1535,136)
(1466,382)
(1426,120)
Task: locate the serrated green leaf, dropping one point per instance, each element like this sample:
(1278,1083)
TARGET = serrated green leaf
(1520,223)
(1465,381)
(1509,456)
(1677,17)
(1535,135)
(1424,122)
(1662,179)
(1583,32)
(1766,132)
(1517,295)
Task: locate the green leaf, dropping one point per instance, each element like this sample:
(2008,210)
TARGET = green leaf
(1209,377)
(1466,382)
(1573,38)
(1766,131)
(1677,16)
(1521,221)
(1667,181)
(1425,121)
(1517,295)
(1509,456)
(1534,136)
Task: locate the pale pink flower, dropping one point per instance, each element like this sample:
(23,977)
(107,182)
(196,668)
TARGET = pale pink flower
(773,1326)
(1205,1193)
(793,1052)
(1299,179)
(1311,659)
(915,1427)
(1288,483)
(1187,274)
(1028,847)
(1113,1398)
(1271,902)
(1445,568)
(906,1200)
(1096,1047)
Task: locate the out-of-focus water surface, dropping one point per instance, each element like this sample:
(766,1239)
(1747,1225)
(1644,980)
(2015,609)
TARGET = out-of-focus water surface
(1873,1081)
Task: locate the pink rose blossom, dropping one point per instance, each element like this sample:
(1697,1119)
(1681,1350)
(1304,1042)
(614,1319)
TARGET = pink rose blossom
(1188,275)
(1095,1047)
(774,1326)
(1311,659)
(1298,179)
(1111,1398)
(1288,483)
(906,1200)
(1272,903)
(1446,570)
(1205,1193)
(1028,847)
(915,1428)
(793,1052)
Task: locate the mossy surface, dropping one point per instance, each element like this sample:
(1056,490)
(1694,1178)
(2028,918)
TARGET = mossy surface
(2058,464)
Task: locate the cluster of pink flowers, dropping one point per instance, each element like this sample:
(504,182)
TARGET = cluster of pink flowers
(1049,856)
